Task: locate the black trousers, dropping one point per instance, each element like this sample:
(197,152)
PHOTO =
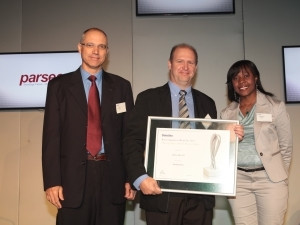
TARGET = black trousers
(96,208)
(182,211)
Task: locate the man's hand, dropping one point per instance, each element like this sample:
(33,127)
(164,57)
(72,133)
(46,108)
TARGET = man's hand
(55,195)
(129,193)
(149,186)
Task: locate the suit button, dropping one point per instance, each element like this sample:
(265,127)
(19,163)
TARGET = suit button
(261,154)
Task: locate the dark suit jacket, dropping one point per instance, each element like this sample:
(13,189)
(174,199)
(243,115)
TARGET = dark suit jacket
(64,135)
(157,102)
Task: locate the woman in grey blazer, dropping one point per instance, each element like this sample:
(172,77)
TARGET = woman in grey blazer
(264,154)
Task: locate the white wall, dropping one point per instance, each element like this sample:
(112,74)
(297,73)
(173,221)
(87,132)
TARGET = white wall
(139,49)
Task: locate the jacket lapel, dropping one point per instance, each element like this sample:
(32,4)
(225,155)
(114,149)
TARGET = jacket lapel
(107,95)
(165,102)
(77,90)
(262,106)
(232,111)
(198,112)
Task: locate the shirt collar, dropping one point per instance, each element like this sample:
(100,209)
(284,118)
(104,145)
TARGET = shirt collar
(85,75)
(175,89)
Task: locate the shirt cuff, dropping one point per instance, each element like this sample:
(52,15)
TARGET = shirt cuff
(139,180)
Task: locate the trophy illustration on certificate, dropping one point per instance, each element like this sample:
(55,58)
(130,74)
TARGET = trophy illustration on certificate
(213,170)
(201,160)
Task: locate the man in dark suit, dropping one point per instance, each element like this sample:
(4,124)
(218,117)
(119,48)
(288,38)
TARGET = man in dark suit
(168,208)
(87,189)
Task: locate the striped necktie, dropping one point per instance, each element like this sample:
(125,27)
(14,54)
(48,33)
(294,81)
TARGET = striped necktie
(183,110)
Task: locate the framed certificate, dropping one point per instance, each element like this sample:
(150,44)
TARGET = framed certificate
(200,160)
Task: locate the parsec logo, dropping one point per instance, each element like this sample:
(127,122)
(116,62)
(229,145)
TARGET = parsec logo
(36,78)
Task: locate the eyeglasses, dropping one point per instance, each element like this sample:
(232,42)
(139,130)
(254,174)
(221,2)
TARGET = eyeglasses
(92,46)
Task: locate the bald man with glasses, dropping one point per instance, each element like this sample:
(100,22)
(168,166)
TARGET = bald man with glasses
(87,184)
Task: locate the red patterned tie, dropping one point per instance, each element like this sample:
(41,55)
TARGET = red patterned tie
(94,131)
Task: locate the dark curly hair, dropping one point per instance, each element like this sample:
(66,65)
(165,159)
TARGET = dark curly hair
(232,73)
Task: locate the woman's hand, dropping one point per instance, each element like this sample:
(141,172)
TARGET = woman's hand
(239,131)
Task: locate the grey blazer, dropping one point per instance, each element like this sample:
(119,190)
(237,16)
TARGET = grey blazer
(273,138)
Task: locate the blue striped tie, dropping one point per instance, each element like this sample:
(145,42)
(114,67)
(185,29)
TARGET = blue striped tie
(183,110)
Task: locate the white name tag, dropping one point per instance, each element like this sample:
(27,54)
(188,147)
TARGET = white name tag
(264,117)
(121,107)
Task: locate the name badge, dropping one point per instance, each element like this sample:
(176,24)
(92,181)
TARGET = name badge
(121,107)
(264,117)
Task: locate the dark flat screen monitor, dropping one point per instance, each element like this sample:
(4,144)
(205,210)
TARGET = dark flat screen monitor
(24,76)
(291,71)
(183,7)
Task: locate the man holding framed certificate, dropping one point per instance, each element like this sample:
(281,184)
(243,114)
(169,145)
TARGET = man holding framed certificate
(168,208)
